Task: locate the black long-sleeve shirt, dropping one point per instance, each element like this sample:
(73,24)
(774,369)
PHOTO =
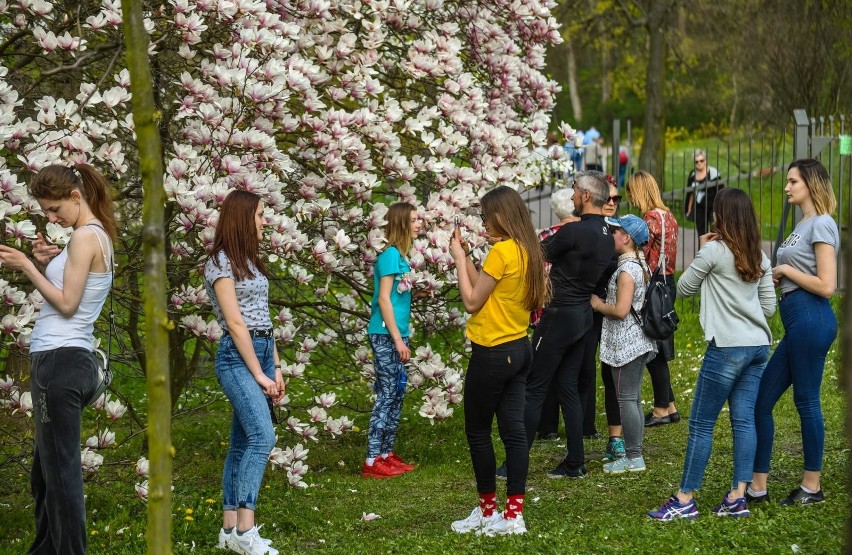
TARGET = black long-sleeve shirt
(579,253)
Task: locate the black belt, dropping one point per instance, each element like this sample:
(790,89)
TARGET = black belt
(788,293)
(255,333)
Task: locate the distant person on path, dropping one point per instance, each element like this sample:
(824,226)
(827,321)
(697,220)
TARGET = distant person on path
(624,345)
(579,254)
(623,162)
(511,284)
(563,207)
(595,154)
(807,276)
(701,186)
(247,364)
(389,332)
(75,285)
(644,193)
(734,278)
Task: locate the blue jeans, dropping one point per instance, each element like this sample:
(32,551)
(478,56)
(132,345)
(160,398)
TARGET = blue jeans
(391,378)
(496,383)
(810,327)
(727,374)
(61,380)
(252,435)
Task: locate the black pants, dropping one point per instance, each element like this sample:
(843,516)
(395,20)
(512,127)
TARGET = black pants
(588,374)
(495,384)
(559,346)
(549,423)
(658,368)
(61,380)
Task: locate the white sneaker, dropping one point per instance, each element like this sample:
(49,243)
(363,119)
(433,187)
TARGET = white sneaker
(250,543)
(504,526)
(223,539)
(474,522)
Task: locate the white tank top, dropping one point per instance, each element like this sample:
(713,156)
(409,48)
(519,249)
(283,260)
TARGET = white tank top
(53,330)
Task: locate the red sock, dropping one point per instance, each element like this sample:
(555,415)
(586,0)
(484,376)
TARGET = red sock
(514,506)
(487,503)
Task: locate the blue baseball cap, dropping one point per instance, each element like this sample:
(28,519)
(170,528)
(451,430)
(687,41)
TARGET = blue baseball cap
(634,226)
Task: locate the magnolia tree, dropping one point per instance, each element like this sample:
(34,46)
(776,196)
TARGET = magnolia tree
(329,111)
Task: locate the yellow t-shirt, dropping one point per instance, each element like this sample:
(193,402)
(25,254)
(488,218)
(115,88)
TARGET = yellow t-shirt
(503,317)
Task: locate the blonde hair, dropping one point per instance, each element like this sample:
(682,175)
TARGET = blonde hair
(818,181)
(643,191)
(398,228)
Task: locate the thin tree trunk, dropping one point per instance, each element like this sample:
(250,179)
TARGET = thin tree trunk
(160,447)
(573,88)
(653,153)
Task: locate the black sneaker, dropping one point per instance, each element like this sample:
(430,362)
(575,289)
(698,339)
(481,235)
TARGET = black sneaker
(566,471)
(800,497)
(756,498)
(674,417)
(651,420)
(593,435)
(549,436)
(502,473)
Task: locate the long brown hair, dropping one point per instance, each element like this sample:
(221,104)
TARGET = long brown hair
(816,178)
(643,191)
(735,222)
(398,228)
(506,213)
(236,234)
(56,183)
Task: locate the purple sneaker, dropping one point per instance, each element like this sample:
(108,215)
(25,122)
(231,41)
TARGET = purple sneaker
(673,509)
(737,508)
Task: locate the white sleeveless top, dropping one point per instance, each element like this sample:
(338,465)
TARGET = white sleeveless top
(53,330)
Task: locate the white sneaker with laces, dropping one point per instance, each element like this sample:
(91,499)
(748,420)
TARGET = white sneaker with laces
(474,522)
(504,526)
(223,539)
(250,543)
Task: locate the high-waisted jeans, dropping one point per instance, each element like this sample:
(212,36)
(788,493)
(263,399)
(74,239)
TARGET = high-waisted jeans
(729,374)
(252,434)
(496,384)
(810,327)
(61,381)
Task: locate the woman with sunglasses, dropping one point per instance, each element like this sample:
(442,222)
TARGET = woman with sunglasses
(807,276)
(702,184)
(644,193)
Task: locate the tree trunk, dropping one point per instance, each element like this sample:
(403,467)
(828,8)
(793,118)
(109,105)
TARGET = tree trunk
(653,153)
(573,88)
(160,447)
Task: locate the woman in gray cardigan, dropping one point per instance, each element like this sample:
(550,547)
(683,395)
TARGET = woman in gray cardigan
(737,295)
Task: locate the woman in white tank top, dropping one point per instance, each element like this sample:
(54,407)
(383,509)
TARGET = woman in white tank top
(74,282)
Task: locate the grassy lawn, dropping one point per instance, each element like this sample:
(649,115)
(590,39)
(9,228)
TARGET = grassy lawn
(600,514)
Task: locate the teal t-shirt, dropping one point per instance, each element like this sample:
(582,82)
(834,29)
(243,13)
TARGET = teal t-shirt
(391,262)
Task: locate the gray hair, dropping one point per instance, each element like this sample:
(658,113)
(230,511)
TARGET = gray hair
(596,184)
(562,203)
(699,152)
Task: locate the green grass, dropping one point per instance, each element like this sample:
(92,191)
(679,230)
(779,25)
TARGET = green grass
(601,514)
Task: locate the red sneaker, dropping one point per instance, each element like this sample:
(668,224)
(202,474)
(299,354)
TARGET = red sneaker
(380,469)
(394,460)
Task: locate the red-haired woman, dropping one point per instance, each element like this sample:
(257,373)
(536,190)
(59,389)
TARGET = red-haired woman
(247,363)
(75,284)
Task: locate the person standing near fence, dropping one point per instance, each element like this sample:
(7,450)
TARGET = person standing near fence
(807,276)
(644,193)
(624,345)
(247,364)
(388,332)
(702,186)
(734,278)
(75,285)
(511,284)
(579,254)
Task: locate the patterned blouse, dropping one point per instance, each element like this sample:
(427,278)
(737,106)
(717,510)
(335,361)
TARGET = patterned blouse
(535,315)
(654,219)
(623,341)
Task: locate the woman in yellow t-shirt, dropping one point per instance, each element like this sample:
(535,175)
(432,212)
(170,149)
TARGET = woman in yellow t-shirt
(512,283)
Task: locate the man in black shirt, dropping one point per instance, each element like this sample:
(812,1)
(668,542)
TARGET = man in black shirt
(579,253)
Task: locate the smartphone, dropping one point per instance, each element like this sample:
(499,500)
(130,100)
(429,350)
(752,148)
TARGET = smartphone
(458,221)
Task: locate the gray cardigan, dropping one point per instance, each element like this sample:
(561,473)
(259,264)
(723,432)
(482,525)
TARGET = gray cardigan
(733,312)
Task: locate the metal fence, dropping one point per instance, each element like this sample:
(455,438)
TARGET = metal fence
(756,163)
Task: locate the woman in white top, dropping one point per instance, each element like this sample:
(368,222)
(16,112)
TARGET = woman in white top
(75,284)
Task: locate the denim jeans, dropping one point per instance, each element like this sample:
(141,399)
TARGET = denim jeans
(252,435)
(61,380)
(495,384)
(810,327)
(391,378)
(559,346)
(628,389)
(727,374)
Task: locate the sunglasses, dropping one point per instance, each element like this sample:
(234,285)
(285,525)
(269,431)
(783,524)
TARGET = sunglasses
(482,217)
(616,199)
(699,161)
